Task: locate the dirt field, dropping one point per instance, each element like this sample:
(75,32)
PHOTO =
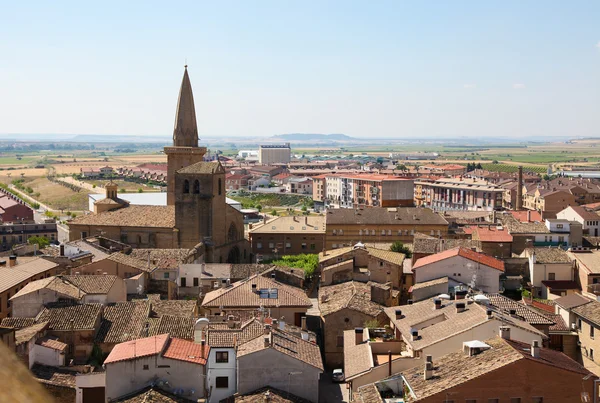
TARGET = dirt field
(130,187)
(58,196)
(141,158)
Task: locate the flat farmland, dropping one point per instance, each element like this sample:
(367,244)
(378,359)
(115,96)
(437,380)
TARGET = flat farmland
(57,196)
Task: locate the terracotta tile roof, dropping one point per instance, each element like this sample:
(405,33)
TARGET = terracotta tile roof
(240,294)
(23,271)
(491,234)
(463,252)
(549,255)
(351,295)
(202,168)
(527,215)
(522,311)
(589,311)
(448,322)
(176,326)
(73,317)
(457,368)
(559,323)
(588,261)
(292,224)
(52,343)
(566,302)
(151,395)
(429,245)
(287,344)
(188,351)
(561,284)
(387,255)
(122,321)
(17,323)
(65,288)
(130,350)
(258,396)
(25,334)
(164,258)
(515,226)
(131,261)
(384,216)
(131,216)
(368,394)
(92,284)
(548,357)
(180,308)
(223,336)
(54,376)
(430,283)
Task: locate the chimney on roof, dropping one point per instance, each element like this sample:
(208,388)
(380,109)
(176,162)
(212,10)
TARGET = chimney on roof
(267,329)
(535,349)
(489,313)
(505,332)
(12,260)
(267,340)
(358,335)
(398,314)
(437,303)
(409,302)
(414,334)
(519,201)
(460,294)
(306,220)
(230,321)
(303,323)
(428,373)
(61,248)
(2,263)
(460,307)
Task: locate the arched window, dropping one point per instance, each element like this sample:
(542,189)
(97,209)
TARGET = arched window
(186,186)
(220,185)
(232,233)
(196,186)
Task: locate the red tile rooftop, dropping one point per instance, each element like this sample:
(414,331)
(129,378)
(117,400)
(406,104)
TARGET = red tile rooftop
(137,348)
(463,252)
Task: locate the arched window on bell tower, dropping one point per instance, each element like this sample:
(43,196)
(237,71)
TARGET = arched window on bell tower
(196,186)
(220,186)
(186,186)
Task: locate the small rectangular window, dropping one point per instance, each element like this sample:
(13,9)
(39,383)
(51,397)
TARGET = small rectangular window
(259,245)
(222,356)
(551,276)
(538,399)
(591,331)
(146,367)
(493,400)
(222,382)
(166,275)
(196,282)
(592,354)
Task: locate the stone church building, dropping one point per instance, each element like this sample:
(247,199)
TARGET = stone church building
(196,215)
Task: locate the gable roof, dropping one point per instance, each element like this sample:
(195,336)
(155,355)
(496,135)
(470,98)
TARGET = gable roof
(131,216)
(72,317)
(240,294)
(17,323)
(51,343)
(151,394)
(188,351)
(457,368)
(590,311)
(23,271)
(219,336)
(164,258)
(137,348)
(122,321)
(384,216)
(463,252)
(285,343)
(567,302)
(25,334)
(92,284)
(54,283)
(521,310)
(550,255)
(258,396)
(202,167)
(349,295)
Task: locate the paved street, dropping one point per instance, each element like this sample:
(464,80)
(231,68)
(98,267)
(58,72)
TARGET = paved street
(330,392)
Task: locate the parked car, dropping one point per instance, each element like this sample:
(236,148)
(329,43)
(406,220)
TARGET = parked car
(338,375)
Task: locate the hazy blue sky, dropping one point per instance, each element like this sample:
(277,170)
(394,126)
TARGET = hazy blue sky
(258,68)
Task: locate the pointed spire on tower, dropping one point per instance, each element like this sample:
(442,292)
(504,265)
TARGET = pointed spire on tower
(185,133)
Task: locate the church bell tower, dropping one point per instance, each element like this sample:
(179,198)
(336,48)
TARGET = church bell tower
(185,150)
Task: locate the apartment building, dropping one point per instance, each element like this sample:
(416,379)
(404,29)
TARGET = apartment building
(274,154)
(588,218)
(15,234)
(459,194)
(288,236)
(368,190)
(346,227)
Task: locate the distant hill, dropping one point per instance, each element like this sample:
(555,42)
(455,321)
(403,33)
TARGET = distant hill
(312,137)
